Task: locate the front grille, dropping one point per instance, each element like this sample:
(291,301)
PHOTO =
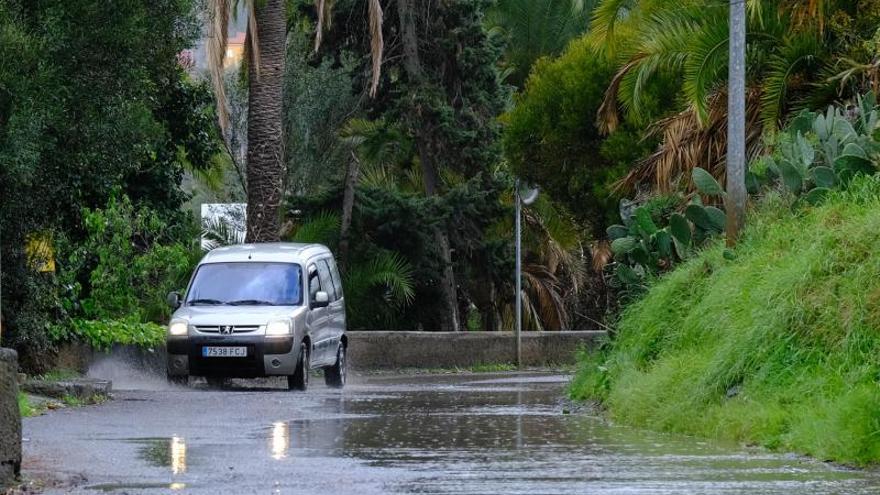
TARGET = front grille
(233,329)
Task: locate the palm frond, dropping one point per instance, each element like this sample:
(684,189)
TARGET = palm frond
(218,232)
(322,228)
(606,17)
(394,272)
(686,144)
(706,65)
(544,295)
(799,54)
(664,44)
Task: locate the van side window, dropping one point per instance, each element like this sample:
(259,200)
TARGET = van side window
(334,273)
(314,282)
(326,280)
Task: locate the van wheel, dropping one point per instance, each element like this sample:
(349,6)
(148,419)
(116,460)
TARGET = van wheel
(300,379)
(334,375)
(178,380)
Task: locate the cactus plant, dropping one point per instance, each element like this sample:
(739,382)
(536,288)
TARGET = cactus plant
(817,152)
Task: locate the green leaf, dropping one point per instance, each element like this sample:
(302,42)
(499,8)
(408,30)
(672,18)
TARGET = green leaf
(729,254)
(705,183)
(791,177)
(803,123)
(682,250)
(697,214)
(641,255)
(823,176)
(644,221)
(753,183)
(848,165)
(717,217)
(855,150)
(623,245)
(816,195)
(616,232)
(664,243)
(680,229)
(627,275)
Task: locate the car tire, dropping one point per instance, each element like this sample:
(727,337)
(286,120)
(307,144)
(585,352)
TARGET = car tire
(334,376)
(299,380)
(215,382)
(178,380)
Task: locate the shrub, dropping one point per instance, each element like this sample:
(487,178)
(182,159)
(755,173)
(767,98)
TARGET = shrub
(118,277)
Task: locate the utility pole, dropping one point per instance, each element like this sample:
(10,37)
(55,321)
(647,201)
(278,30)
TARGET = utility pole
(735,202)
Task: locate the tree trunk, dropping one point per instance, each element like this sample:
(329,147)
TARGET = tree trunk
(449,321)
(265,154)
(351,178)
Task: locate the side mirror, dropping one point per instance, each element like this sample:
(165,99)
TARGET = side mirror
(173,300)
(322,300)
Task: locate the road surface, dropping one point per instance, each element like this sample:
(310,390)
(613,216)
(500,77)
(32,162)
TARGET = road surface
(417,434)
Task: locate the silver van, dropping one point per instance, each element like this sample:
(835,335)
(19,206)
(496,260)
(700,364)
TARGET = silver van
(257,310)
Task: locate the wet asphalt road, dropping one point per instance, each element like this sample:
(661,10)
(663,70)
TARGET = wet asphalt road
(449,434)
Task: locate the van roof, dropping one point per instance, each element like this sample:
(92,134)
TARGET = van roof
(285,252)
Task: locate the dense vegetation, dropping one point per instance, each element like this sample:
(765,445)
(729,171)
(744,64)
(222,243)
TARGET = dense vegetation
(94,103)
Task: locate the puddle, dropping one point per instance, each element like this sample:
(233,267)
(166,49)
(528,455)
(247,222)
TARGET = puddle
(430,435)
(112,487)
(164,452)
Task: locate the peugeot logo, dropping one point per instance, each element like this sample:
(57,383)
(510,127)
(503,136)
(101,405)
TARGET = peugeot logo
(225,329)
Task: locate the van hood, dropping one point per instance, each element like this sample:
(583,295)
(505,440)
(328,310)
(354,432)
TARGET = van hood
(235,315)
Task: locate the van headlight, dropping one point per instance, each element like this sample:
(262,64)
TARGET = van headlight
(278,329)
(177,328)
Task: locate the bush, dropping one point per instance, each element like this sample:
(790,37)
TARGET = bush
(551,137)
(777,345)
(118,277)
(104,334)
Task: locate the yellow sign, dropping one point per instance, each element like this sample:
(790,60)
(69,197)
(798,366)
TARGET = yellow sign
(40,253)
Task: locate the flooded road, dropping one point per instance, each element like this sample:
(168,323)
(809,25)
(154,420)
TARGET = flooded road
(428,434)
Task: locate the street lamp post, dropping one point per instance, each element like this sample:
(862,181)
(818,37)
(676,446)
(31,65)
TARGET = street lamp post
(523,195)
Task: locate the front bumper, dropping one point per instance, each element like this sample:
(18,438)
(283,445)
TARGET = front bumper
(265,356)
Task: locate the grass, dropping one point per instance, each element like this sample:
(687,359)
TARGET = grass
(778,347)
(25,407)
(59,374)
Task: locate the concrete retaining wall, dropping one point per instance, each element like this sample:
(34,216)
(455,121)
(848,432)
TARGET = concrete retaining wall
(10,418)
(394,350)
(389,350)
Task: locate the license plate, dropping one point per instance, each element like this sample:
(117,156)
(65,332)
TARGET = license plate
(224,352)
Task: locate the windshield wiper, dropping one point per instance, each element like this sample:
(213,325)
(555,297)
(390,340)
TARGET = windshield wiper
(251,302)
(212,302)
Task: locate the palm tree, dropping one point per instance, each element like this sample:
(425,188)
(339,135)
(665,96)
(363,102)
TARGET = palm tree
(685,42)
(267,34)
(536,29)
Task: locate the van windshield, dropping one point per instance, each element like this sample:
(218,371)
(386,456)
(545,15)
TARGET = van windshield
(246,284)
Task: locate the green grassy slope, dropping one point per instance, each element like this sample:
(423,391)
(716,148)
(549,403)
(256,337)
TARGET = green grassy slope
(779,346)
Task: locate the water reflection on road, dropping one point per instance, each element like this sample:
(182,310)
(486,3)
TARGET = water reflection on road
(445,435)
